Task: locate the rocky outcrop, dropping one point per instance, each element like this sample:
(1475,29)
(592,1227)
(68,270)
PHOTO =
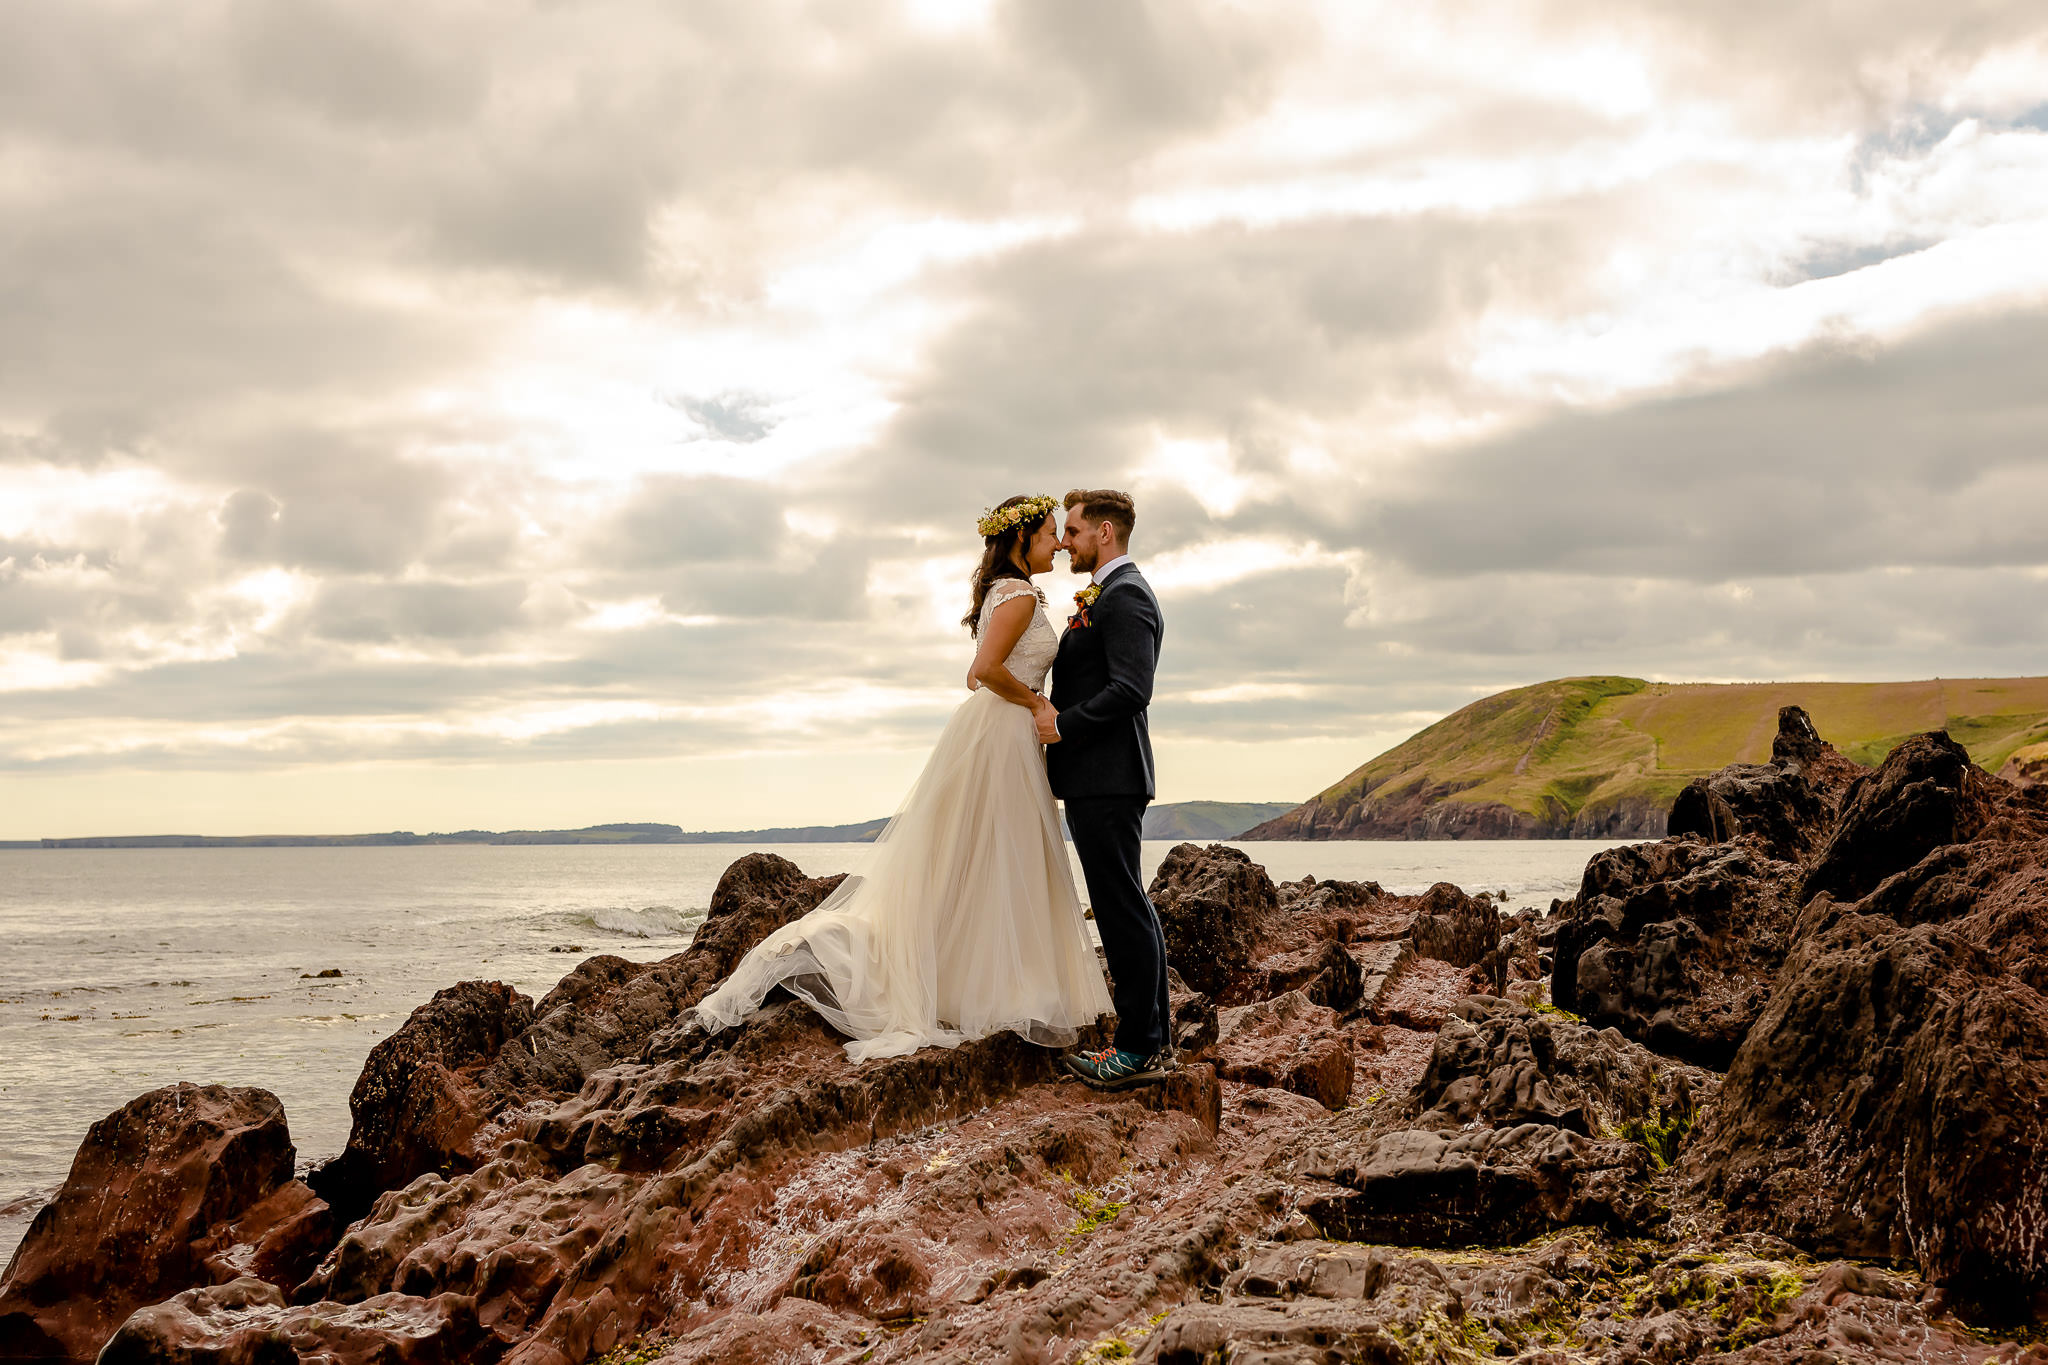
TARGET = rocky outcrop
(246,1322)
(1502,1064)
(479,1049)
(1288,1042)
(1213,903)
(1382,1144)
(417,1104)
(1892,1101)
(1676,943)
(1453,927)
(183,1186)
(1488,1186)
(1928,794)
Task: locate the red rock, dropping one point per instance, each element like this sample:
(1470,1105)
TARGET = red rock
(1289,1043)
(417,1104)
(1454,927)
(163,1190)
(246,1322)
(1212,905)
(1423,995)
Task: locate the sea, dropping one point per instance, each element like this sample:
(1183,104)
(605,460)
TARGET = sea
(122,970)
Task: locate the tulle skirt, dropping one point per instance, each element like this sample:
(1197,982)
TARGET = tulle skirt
(963,922)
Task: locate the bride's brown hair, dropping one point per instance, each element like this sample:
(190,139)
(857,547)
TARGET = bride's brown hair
(999,555)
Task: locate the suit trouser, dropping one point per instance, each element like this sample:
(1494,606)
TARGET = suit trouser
(1108,833)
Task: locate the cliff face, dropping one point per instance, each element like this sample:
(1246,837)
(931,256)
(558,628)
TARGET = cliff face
(1603,757)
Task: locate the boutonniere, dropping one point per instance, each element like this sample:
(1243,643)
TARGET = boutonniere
(1083,600)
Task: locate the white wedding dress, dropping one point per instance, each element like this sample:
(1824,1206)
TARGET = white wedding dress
(964,921)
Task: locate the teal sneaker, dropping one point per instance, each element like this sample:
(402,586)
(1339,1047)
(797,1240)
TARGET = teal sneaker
(1120,1070)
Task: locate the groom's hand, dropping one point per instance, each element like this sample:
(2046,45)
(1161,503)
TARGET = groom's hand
(1048,721)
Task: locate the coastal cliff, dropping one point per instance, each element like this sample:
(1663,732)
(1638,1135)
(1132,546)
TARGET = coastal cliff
(1772,1089)
(1603,757)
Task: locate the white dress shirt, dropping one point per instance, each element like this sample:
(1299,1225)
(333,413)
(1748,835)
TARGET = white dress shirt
(1102,571)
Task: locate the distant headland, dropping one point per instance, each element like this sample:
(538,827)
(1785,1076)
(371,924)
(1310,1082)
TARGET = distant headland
(1179,820)
(1603,757)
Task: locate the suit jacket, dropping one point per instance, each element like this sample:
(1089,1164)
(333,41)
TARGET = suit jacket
(1101,685)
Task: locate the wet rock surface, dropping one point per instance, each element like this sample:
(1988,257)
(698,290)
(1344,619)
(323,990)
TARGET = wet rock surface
(1385,1141)
(171,1190)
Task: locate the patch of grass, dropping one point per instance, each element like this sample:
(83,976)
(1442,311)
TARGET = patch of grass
(1120,1345)
(1545,1007)
(632,1353)
(1661,1136)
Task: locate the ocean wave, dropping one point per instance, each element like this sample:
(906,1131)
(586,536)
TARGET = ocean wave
(652,921)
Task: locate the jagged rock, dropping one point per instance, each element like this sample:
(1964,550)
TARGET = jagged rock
(1287,1042)
(417,1104)
(1501,1064)
(1454,927)
(480,1048)
(1779,809)
(1327,974)
(1786,805)
(609,1010)
(246,1322)
(1422,994)
(1892,1103)
(164,1194)
(1212,905)
(1676,943)
(1522,947)
(1926,794)
(1798,748)
(1275,1333)
(1193,1017)
(1488,1186)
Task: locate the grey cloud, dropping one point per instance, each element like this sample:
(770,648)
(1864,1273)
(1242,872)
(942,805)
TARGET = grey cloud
(1829,460)
(329,59)
(186,295)
(1147,65)
(1076,352)
(330,501)
(683,520)
(824,583)
(380,613)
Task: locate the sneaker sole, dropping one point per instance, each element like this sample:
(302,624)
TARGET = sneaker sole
(1130,1082)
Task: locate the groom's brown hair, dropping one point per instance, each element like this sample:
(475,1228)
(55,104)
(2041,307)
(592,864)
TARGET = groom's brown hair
(1106,504)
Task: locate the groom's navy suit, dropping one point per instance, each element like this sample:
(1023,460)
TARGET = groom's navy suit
(1102,769)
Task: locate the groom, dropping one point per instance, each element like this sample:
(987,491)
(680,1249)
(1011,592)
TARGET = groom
(1098,758)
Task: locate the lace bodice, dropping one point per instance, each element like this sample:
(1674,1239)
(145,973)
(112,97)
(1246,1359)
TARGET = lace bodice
(1031,659)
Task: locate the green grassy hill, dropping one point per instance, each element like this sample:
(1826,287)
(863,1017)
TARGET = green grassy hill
(1602,757)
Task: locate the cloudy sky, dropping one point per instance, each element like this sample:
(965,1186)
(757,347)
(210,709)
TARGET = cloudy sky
(452,413)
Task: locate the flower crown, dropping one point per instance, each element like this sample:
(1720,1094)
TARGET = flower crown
(1003,518)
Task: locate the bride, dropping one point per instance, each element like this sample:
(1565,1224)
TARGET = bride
(966,921)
